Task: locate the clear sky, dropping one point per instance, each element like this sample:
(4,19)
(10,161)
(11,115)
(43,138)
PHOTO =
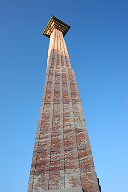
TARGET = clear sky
(98,47)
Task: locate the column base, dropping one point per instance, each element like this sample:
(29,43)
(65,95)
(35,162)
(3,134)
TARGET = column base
(73,189)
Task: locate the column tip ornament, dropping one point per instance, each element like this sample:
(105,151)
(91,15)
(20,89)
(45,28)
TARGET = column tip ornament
(55,23)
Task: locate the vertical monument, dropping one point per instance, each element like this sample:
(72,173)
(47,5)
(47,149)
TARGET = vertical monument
(62,159)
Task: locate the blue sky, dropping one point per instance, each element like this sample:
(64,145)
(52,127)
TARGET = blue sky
(98,47)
